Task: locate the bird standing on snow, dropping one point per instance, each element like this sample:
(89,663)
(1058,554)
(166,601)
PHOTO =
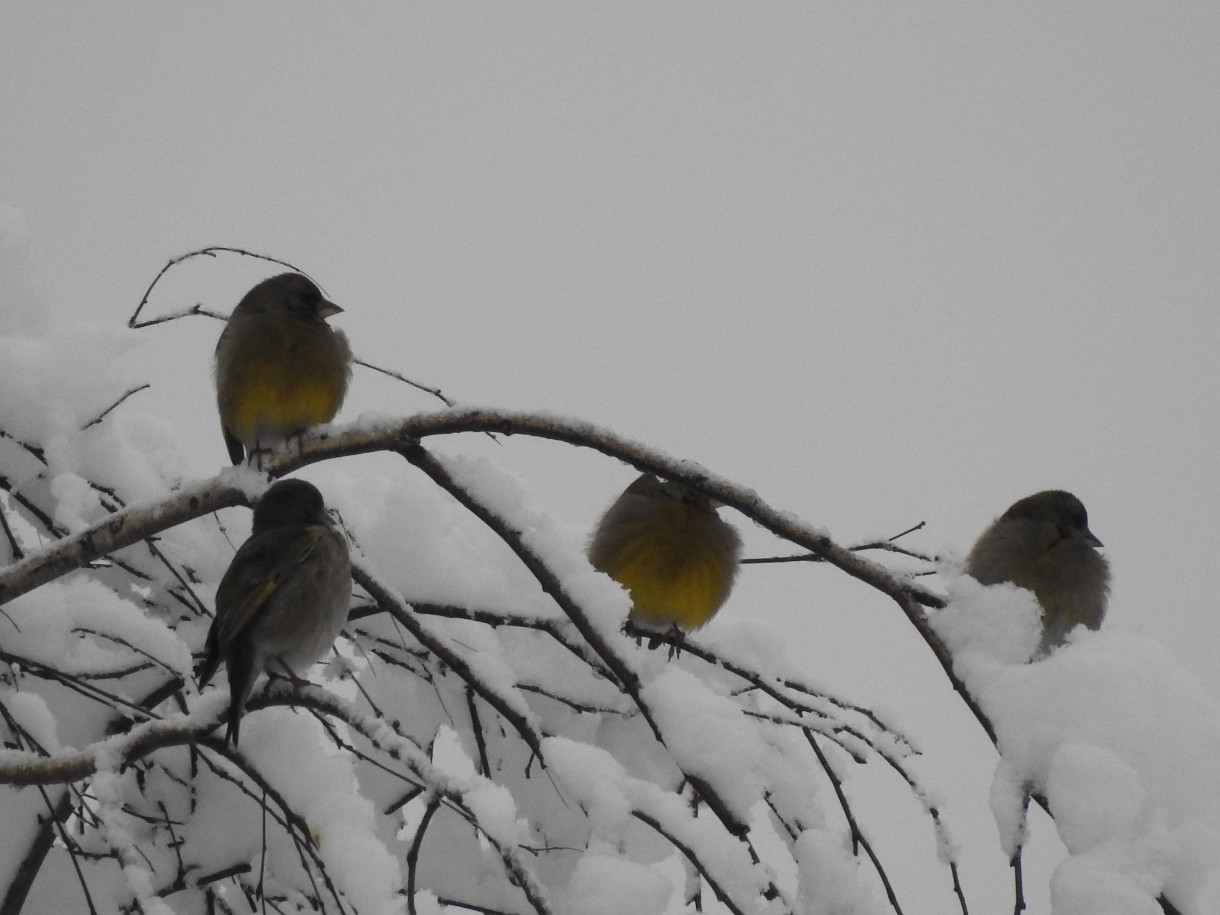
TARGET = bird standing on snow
(1043,543)
(665,544)
(280,368)
(284,597)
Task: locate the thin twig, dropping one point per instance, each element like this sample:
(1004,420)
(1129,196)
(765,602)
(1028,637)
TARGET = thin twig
(14,546)
(400,612)
(402,802)
(477,727)
(887,546)
(413,852)
(97,419)
(721,893)
(858,839)
(212,251)
(435,392)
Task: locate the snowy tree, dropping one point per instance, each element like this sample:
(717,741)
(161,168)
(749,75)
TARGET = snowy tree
(485,737)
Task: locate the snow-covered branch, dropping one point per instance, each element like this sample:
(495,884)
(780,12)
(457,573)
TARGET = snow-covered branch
(527,723)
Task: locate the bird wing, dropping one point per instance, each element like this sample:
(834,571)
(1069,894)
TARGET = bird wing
(259,570)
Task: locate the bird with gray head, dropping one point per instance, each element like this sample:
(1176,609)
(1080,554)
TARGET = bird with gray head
(1043,544)
(280,368)
(284,598)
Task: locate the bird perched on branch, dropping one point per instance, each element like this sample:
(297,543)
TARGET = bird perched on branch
(284,597)
(1043,543)
(665,543)
(280,368)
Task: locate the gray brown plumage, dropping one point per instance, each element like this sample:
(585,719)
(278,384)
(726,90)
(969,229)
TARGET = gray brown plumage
(1043,543)
(284,597)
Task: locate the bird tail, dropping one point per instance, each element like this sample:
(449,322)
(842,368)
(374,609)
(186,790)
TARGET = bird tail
(211,661)
(243,671)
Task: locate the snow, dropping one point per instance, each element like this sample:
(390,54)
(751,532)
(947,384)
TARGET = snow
(1081,886)
(45,626)
(323,788)
(597,781)
(1122,742)
(421,540)
(496,812)
(1094,794)
(594,779)
(708,736)
(997,621)
(605,883)
(32,716)
(832,881)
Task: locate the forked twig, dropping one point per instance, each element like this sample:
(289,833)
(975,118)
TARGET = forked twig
(135,324)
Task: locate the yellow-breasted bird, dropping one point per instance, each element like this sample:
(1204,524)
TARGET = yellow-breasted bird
(665,543)
(1043,544)
(280,368)
(284,597)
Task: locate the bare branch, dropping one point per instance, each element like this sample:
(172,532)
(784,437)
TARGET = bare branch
(887,546)
(721,892)
(413,852)
(392,605)
(858,838)
(97,419)
(134,322)
(435,392)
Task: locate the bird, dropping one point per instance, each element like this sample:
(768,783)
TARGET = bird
(665,543)
(1043,544)
(284,597)
(280,367)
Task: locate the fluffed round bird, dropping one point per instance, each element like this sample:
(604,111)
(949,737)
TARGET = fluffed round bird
(280,368)
(1043,544)
(665,543)
(284,597)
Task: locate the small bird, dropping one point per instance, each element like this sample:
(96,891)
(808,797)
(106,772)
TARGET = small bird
(665,543)
(280,368)
(1043,544)
(284,597)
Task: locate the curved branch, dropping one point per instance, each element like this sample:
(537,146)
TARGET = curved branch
(721,892)
(135,523)
(134,322)
(413,852)
(402,613)
(858,838)
(132,524)
(554,588)
(118,530)
(557,628)
(20,768)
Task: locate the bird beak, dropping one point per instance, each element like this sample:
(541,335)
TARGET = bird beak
(1092,538)
(326,309)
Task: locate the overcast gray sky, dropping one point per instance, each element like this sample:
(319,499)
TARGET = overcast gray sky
(884,263)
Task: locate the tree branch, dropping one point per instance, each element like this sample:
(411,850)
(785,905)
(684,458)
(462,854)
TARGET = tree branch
(134,322)
(116,531)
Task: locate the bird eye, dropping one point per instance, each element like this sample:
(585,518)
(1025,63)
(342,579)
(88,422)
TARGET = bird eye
(302,305)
